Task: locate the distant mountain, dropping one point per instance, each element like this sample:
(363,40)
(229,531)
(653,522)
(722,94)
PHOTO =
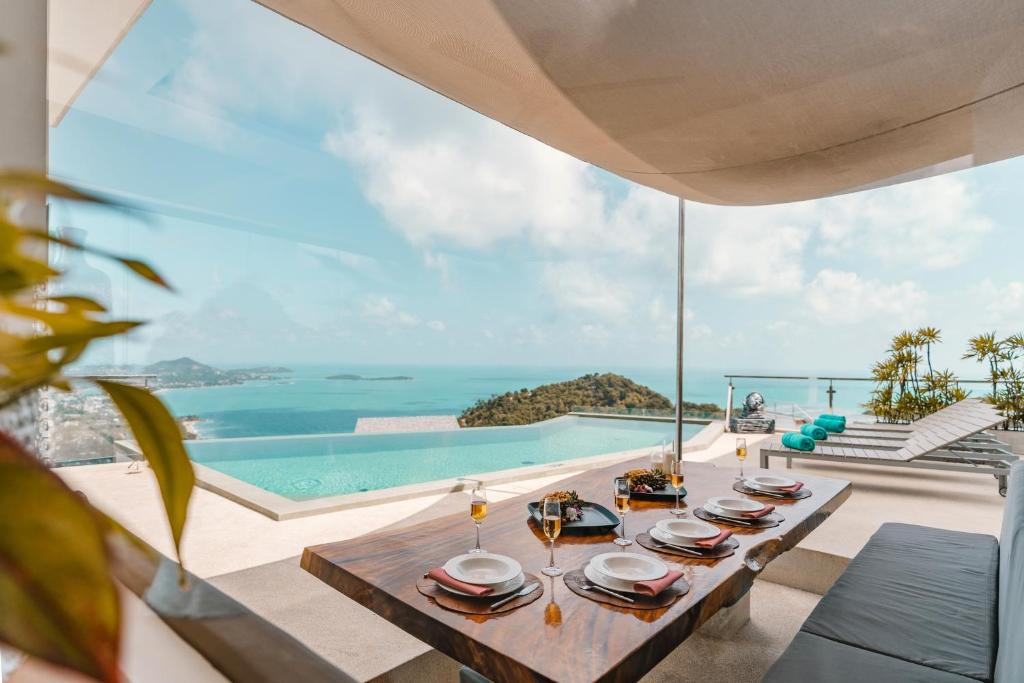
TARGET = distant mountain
(551,400)
(188,372)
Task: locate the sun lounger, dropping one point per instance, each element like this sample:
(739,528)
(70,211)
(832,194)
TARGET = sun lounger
(946,440)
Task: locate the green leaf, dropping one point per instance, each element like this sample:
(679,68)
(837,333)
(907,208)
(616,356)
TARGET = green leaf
(159,439)
(33,181)
(58,600)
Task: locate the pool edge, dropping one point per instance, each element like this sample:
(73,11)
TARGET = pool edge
(280,508)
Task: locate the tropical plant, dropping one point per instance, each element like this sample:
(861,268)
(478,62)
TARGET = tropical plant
(1002,357)
(902,393)
(58,600)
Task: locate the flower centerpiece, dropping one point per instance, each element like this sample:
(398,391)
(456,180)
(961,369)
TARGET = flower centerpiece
(572,506)
(646,481)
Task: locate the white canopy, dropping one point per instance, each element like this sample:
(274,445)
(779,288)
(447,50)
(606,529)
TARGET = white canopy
(737,102)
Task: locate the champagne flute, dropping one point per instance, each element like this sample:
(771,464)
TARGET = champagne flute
(741,454)
(478,511)
(676,476)
(551,522)
(621,492)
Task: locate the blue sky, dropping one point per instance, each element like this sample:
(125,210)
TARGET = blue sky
(310,205)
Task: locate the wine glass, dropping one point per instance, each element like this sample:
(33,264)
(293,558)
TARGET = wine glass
(551,522)
(621,492)
(478,511)
(676,476)
(741,454)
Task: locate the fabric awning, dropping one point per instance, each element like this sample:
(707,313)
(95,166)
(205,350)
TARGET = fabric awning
(739,102)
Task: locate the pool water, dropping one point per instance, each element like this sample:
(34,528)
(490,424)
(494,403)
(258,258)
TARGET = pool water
(305,467)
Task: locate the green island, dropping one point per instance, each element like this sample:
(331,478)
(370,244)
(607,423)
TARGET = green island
(598,391)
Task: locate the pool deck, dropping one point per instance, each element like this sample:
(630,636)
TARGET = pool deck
(254,558)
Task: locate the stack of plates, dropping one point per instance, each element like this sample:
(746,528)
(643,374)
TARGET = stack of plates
(499,572)
(732,508)
(619,571)
(769,484)
(684,532)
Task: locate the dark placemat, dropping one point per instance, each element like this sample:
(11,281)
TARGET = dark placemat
(767,522)
(667,495)
(457,603)
(724,549)
(740,487)
(575,579)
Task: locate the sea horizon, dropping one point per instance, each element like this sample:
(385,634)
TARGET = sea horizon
(305,401)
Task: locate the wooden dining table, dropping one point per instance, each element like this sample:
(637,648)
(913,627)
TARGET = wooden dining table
(562,636)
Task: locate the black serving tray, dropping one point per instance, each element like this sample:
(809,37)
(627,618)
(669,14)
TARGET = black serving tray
(666,495)
(597,519)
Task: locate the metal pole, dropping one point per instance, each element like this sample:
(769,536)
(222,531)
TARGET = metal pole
(680,314)
(728,405)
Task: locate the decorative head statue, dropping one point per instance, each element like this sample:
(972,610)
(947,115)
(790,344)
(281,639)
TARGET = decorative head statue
(753,403)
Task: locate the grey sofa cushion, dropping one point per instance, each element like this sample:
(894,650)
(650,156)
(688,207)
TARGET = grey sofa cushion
(1010,661)
(810,658)
(926,596)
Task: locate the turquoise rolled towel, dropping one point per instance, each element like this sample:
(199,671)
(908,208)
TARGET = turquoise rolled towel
(800,442)
(814,431)
(831,425)
(840,418)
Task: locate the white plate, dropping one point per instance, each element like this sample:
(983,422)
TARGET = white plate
(684,531)
(659,535)
(719,512)
(629,567)
(771,484)
(600,579)
(736,507)
(482,569)
(499,590)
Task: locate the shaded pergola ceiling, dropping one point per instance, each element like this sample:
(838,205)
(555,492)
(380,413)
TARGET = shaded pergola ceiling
(729,102)
(81,34)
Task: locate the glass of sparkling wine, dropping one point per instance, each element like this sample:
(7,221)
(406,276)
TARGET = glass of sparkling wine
(551,518)
(478,511)
(741,454)
(676,476)
(621,491)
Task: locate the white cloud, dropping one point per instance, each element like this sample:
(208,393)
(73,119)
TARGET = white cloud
(383,310)
(436,325)
(1004,304)
(749,251)
(844,298)
(585,286)
(932,223)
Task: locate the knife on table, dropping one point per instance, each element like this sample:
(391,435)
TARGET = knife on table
(518,594)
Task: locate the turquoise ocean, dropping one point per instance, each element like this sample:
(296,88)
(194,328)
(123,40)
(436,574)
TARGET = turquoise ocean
(306,402)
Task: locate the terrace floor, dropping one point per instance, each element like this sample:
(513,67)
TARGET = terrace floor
(255,559)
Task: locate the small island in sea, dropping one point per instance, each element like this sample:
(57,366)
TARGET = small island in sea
(552,400)
(360,378)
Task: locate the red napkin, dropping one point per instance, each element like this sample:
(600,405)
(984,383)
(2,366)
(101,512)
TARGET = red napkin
(712,542)
(652,588)
(767,510)
(794,488)
(442,577)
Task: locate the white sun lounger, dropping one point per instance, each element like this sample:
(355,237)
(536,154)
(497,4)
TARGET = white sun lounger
(944,440)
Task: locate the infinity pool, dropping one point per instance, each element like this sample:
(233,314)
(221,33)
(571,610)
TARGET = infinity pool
(305,467)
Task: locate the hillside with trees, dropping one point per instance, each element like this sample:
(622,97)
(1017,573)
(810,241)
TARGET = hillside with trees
(551,400)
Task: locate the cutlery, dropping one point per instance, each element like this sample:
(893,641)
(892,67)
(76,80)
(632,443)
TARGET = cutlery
(728,520)
(759,492)
(525,591)
(602,589)
(684,549)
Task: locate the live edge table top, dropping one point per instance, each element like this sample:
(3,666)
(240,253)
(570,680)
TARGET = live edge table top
(578,639)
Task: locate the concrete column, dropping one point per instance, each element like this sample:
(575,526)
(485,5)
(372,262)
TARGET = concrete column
(23,136)
(23,127)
